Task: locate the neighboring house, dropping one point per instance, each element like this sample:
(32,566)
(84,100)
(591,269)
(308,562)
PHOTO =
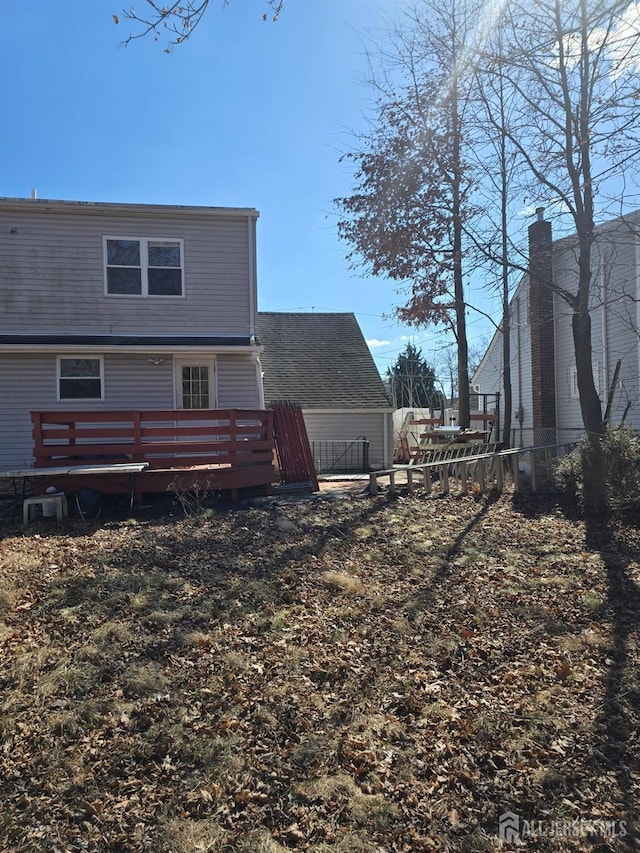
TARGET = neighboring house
(123,306)
(322,362)
(546,407)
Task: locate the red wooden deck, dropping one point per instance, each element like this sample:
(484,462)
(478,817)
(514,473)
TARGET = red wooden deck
(214,449)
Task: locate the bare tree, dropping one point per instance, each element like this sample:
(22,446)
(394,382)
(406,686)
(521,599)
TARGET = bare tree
(497,163)
(571,64)
(179,19)
(412,197)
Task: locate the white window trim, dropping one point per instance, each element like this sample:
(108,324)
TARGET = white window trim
(190,360)
(144,267)
(98,358)
(573,380)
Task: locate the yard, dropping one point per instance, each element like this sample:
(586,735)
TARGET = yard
(369,675)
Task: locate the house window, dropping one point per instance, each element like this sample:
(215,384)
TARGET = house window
(80,378)
(573,380)
(143,267)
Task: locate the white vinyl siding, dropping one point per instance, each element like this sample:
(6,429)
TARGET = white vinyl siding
(376,427)
(52,274)
(489,376)
(131,381)
(237,380)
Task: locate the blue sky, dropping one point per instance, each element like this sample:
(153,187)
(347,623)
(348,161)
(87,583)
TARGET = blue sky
(247,114)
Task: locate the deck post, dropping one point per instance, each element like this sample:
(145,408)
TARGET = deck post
(233,434)
(36,422)
(138,454)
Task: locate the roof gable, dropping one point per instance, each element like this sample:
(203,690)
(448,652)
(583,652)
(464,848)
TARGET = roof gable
(318,360)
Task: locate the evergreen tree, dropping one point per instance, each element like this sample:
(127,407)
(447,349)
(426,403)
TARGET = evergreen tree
(413,382)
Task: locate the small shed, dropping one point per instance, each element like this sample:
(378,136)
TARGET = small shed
(322,362)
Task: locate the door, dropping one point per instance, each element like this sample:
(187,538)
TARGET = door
(195,383)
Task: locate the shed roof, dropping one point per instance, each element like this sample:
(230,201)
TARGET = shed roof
(319,360)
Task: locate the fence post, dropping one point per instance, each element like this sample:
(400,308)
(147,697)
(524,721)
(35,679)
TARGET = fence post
(534,477)
(515,471)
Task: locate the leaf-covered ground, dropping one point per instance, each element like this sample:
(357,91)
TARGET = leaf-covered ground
(352,675)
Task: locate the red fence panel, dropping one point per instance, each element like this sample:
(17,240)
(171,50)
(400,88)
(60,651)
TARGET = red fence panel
(293,450)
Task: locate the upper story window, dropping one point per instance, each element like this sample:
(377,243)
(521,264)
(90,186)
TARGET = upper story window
(143,267)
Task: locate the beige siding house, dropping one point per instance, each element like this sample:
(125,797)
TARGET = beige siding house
(123,306)
(322,362)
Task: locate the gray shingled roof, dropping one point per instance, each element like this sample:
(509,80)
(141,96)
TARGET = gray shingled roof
(320,361)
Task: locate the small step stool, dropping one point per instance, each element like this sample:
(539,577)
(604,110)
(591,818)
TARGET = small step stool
(52,504)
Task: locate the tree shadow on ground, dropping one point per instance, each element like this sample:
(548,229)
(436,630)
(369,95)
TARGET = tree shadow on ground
(620,716)
(214,568)
(535,504)
(188,578)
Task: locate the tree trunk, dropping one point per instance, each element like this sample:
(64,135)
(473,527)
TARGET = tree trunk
(464,419)
(594,475)
(506,375)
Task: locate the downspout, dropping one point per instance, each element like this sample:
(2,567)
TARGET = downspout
(253,277)
(385,438)
(259,383)
(253,307)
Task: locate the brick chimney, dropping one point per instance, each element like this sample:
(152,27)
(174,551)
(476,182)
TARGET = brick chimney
(543,361)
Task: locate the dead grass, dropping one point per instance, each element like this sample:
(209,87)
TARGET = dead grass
(367,675)
(343,582)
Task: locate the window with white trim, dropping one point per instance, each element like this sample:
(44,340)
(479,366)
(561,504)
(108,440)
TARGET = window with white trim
(143,267)
(80,378)
(573,380)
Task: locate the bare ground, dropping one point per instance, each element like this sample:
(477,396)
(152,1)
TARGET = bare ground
(349,675)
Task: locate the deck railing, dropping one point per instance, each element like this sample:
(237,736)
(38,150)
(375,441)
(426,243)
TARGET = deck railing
(166,439)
